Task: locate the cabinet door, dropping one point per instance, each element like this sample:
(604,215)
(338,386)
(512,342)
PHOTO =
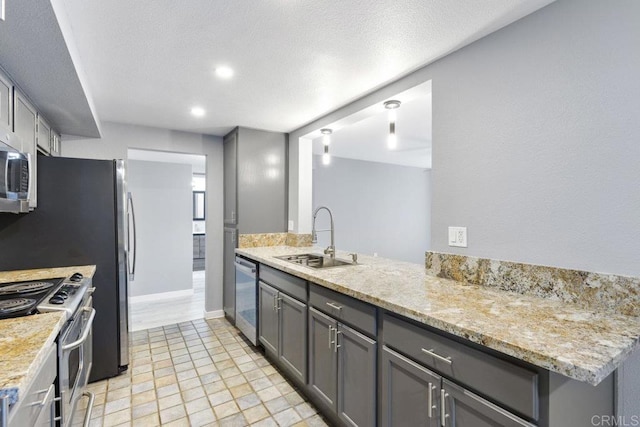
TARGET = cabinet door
(44,135)
(407,390)
(323,360)
(6,105)
(356,377)
(268,317)
(230,174)
(24,125)
(293,335)
(466,409)
(229,275)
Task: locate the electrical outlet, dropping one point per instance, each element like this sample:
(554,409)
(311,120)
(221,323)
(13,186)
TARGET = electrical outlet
(458,236)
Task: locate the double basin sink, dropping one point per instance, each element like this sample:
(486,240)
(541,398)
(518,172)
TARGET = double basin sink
(314,260)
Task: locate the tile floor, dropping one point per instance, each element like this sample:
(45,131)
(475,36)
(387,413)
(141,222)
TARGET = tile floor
(198,373)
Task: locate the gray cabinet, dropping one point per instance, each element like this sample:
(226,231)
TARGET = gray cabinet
(24,125)
(254,181)
(409,392)
(44,135)
(230,160)
(6,105)
(342,369)
(229,275)
(282,324)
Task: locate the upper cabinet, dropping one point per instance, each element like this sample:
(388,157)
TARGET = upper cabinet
(254,181)
(25,127)
(6,104)
(44,136)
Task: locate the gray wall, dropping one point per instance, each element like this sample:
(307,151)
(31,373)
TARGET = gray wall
(117,138)
(378,208)
(535,143)
(162,198)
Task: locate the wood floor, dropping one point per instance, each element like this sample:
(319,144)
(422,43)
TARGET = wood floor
(147,315)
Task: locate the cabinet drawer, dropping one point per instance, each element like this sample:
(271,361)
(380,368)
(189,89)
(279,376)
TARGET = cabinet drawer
(292,285)
(505,383)
(346,309)
(33,400)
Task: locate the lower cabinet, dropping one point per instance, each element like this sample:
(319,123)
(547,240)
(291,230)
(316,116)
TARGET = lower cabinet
(342,369)
(413,395)
(282,325)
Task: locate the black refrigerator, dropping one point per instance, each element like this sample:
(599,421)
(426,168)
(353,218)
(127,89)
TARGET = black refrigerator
(83,217)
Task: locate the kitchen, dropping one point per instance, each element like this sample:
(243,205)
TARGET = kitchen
(533,130)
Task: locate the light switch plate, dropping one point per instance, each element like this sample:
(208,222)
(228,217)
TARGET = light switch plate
(458,236)
(290,227)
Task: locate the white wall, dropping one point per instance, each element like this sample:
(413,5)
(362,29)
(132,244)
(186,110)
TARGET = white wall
(535,143)
(162,199)
(377,207)
(117,138)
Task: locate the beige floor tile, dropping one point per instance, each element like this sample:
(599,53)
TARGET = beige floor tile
(188,384)
(278,404)
(255,414)
(248,401)
(141,378)
(241,390)
(143,397)
(220,397)
(182,422)
(236,420)
(150,420)
(226,409)
(172,414)
(169,401)
(144,410)
(118,393)
(235,381)
(141,387)
(116,418)
(305,410)
(287,418)
(215,387)
(193,393)
(167,390)
(202,418)
(267,422)
(294,398)
(117,405)
(197,405)
(268,393)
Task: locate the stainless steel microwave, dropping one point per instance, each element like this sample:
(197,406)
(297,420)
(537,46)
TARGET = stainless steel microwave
(15,186)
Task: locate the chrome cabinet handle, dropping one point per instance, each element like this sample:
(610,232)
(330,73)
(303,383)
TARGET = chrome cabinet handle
(335,348)
(334,305)
(46,397)
(85,333)
(274,301)
(430,404)
(437,356)
(4,410)
(443,407)
(330,332)
(278,303)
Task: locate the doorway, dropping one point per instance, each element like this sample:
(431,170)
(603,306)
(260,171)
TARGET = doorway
(169,194)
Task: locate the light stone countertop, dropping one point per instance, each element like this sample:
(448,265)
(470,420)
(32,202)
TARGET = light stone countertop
(24,341)
(563,338)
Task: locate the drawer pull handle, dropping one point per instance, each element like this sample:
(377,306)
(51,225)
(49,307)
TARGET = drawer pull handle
(335,348)
(443,407)
(430,400)
(437,356)
(334,305)
(330,333)
(275,296)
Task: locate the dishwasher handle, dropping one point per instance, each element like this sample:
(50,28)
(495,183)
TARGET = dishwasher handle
(245,266)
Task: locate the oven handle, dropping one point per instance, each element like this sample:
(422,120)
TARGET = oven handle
(85,333)
(87,415)
(245,269)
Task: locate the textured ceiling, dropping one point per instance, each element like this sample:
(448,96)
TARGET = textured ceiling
(149,62)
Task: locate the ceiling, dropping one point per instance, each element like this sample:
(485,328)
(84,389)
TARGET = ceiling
(364,137)
(149,62)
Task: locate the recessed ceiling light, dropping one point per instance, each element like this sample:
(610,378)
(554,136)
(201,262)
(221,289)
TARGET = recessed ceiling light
(197,111)
(224,72)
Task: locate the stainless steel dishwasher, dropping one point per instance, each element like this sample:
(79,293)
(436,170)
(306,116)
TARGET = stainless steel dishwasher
(246,298)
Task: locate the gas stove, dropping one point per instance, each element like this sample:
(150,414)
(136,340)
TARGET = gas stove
(42,296)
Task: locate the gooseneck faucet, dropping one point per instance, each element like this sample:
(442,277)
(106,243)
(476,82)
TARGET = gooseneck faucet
(331,250)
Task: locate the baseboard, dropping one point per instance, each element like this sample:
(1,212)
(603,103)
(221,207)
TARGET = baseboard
(216,314)
(161,296)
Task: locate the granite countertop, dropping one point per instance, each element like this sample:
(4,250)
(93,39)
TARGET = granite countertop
(24,341)
(563,338)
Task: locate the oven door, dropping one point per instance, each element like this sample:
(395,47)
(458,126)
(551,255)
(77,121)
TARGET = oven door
(246,299)
(75,357)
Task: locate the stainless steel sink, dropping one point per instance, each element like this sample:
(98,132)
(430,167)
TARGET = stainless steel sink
(314,260)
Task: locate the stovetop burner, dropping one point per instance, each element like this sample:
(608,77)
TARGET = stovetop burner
(16,304)
(23,288)
(22,298)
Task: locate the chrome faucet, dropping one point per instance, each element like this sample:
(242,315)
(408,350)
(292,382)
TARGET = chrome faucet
(331,250)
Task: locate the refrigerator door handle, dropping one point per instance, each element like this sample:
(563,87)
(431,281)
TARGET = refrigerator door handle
(131,211)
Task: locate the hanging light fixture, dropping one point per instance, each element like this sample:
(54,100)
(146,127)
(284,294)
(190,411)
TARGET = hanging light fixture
(326,141)
(392,139)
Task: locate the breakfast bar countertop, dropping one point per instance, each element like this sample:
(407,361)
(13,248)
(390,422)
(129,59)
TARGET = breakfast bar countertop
(581,344)
(24,341)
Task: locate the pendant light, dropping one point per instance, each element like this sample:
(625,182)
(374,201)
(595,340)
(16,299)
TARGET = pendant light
(326,141)
(392,139)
